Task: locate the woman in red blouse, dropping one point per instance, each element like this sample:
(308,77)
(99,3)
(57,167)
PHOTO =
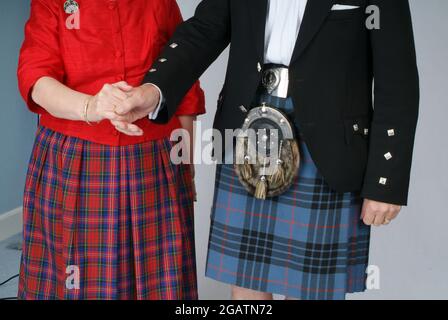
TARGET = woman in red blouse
(107,215)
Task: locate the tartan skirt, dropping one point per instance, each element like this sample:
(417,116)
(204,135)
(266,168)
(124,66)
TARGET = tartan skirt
(103,222)
(308,243)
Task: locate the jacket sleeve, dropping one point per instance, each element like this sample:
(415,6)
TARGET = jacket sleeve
(193,103)
(194,46)
(40,55)
(396,103)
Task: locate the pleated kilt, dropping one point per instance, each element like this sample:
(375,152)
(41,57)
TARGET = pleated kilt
(104,222)
(309,243)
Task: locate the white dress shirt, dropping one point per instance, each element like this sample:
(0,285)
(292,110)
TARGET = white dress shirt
(282,28)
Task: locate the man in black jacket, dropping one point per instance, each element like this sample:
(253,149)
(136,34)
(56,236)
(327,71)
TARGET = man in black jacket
(361,146)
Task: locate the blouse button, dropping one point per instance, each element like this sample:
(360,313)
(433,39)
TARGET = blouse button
(112,5)
(118,54)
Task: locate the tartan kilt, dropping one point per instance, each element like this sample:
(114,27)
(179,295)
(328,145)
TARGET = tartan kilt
(308,243)
(120,216)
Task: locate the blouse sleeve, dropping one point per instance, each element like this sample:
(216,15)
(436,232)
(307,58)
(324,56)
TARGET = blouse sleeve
(194,101)
(40,53)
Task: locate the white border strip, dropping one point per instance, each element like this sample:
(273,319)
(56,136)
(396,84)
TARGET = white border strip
(10,223)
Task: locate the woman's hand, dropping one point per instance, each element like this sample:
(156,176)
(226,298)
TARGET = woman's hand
(104,104)
(65,103)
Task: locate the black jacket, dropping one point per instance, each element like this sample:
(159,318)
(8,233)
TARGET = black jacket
(335,62)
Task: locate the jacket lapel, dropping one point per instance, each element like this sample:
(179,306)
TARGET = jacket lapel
(315,13)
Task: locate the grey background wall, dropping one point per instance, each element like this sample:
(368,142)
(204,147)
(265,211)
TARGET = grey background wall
(411,253)
(16,124)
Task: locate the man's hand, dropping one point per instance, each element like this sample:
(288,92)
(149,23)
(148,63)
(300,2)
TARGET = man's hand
(378,213)
(140,103)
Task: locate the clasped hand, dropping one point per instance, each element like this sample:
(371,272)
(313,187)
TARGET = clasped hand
(122,105)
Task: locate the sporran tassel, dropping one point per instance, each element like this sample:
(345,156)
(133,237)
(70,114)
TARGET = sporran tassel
(261,188)
(246,170)
(246,167)
(279,176)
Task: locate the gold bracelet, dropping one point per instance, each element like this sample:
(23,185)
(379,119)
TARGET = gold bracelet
(86,109)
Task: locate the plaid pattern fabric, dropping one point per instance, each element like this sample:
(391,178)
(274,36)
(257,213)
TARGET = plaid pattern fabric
(308,243)
(122,215)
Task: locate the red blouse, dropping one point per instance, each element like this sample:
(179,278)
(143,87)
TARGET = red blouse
(115,40)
